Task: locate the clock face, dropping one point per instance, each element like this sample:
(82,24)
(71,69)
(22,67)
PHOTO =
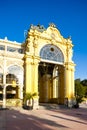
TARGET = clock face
(52,53)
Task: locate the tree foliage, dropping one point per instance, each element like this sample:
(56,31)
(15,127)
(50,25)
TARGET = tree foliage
(84,82)
(29,96)
(81,88)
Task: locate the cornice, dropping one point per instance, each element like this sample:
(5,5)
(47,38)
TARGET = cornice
(11,55)
(6,41)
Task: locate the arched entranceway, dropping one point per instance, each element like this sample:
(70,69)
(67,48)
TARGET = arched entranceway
(51,83)
(50,71)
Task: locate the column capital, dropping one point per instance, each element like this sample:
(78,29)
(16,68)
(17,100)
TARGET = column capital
(69,66)
(69,63)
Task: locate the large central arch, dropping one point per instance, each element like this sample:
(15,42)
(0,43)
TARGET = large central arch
(50,71)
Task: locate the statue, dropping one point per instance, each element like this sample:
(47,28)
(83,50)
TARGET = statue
(27,45)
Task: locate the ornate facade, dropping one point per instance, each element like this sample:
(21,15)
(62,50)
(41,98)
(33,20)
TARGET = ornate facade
(42,65)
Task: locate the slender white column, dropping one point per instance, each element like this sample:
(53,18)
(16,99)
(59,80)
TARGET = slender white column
(4,84)
(4,96)
(54,88)
(21,91)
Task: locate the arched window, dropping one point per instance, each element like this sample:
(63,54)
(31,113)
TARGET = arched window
(16,72)
(52,53)
(14,79)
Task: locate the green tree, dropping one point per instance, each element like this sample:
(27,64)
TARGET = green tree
(84,83)
(79,91)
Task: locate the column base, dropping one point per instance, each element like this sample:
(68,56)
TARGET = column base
(35,103)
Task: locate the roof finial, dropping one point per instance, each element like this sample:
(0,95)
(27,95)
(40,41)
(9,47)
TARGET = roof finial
(52,25)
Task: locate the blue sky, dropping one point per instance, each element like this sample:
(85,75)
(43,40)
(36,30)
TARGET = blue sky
(70,17)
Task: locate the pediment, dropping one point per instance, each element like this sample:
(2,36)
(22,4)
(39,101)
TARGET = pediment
(52,33)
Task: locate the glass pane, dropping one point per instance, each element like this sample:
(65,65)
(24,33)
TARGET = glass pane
(17,72)
(2,47)
(20,51)
(11,49)
(51,52)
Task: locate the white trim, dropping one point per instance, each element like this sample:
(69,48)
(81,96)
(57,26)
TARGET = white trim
(53,62)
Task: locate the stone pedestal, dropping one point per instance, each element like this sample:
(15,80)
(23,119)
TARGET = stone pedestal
(35,103)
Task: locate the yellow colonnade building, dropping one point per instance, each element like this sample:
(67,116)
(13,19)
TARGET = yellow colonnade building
(42,64)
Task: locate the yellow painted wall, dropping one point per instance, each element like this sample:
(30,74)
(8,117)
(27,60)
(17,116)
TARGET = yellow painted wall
(35,42)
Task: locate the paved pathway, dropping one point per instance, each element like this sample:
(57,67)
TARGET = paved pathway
(44,119)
